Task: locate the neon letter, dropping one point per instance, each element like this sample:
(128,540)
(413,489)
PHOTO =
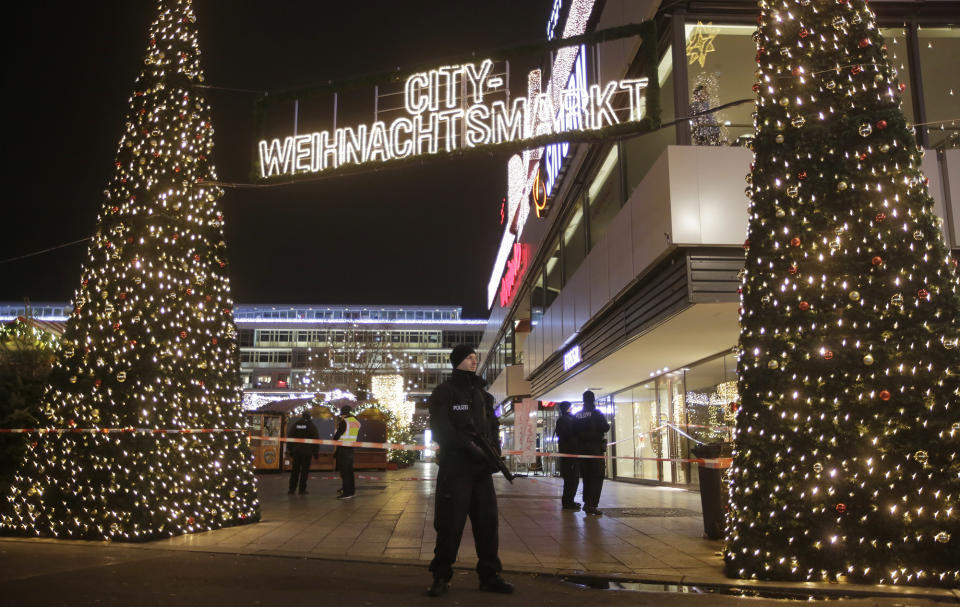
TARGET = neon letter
(274,159)
(415,100)
(478,131)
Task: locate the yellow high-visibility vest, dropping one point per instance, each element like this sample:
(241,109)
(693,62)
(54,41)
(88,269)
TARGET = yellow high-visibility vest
(353,430)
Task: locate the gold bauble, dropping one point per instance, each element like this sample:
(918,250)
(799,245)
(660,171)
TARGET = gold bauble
(854,296)
(773,364)
(868,359)
(921,456)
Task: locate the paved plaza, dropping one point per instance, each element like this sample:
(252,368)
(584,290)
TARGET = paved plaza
(649,533)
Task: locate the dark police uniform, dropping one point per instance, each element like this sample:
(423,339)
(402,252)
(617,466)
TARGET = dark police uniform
(590,428)
(569,466)
(460,407)
(301,453)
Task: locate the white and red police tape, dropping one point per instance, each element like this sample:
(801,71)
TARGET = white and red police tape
(720,462)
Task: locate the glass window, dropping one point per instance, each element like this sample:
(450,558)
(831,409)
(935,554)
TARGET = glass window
(717,73)
(603,195)
(711,386)
(536,299)
(939,48)
(553,275)
(574,240)
(642,151)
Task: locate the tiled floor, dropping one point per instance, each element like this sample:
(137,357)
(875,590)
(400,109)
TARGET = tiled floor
(391,518)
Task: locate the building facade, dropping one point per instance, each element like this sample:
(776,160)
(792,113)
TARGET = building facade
(280,344)
(631,274)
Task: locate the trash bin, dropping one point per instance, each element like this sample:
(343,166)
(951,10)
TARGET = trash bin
(713,493)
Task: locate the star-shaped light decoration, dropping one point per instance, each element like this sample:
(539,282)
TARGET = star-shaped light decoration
(701,43)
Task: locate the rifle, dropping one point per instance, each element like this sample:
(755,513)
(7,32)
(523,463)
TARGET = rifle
(492,456)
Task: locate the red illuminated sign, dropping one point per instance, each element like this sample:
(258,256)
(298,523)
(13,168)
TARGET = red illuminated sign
(516,268)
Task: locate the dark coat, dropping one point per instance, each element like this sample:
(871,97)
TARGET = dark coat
(566,438)
(590,428)
(459,409)
(303,427)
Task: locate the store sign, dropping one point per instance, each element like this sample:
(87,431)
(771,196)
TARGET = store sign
(516,269)
(571,358)
(447,109)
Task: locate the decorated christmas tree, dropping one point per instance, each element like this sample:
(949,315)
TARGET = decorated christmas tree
(148,378)
(848,435)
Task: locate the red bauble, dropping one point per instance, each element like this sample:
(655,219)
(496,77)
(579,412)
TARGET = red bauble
(98,382)
(133,342)
(884,395)
(865,42)
(882,124)
(802,175)
(856,70)
(863,156)
(189,291)
(755,87)
(208,298)
(796,71)
(214,341)
(795,241)
(123,296)
(793,269)
(130,240)
(190,520)
(183,334)
(841,508)
(804,33)
(880,217)
(828,354)
(196,257)
(923,293)
(804,306)
(116,326)
(746,244)
(877,260)
(903,87)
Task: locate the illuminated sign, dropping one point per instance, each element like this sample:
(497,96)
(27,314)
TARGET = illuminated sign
(554,154)
(571,358)
(516,268)
(538,195)
(446,111)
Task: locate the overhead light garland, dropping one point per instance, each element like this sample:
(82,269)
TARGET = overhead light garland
(151,341)
(848,432)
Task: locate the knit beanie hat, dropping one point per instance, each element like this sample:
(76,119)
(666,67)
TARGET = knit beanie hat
(459,353)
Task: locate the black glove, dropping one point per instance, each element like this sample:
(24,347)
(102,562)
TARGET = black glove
(476,453)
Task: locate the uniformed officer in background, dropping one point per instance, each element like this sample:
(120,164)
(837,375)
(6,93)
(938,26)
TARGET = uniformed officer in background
(301,453)
(348,429)
(569,466)
(590,429)
(461,417)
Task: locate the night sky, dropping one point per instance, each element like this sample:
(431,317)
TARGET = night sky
(421,235)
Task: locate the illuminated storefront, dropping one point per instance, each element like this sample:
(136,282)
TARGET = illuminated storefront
(631,285)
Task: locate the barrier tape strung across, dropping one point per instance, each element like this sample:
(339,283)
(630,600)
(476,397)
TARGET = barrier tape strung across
(722,462)
(117,430)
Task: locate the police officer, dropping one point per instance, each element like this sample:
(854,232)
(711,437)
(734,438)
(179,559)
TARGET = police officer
(569,466)
(461,415)
(348,429)
(590,428)
(302,453)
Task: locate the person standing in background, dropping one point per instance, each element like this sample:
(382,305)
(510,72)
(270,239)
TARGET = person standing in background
(590,430)
(301,453)
(569,466)
(348,429)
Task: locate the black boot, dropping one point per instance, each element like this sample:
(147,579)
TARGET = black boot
(439,587)
(497,584)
